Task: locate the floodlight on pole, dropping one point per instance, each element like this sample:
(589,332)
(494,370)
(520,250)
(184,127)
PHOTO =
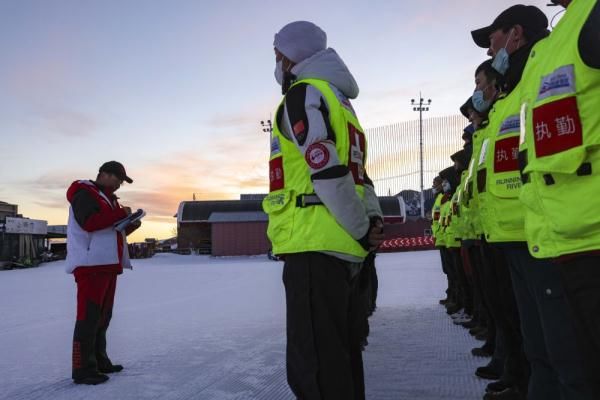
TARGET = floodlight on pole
(421,106)
(267,126)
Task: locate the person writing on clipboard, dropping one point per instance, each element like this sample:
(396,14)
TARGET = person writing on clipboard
(96,254)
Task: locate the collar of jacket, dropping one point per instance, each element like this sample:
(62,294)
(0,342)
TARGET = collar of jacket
(517,62)
(111,195)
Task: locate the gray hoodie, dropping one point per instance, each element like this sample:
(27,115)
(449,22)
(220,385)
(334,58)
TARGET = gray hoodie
(328,66)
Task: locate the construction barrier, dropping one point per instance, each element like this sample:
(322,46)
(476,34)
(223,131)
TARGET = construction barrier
(407,244)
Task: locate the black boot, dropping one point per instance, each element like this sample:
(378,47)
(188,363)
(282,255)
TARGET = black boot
(92,379)
(506,394)
(490,371)
(497,386)
(482,351)
(109,369)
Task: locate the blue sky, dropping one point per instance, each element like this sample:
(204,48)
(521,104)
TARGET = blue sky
(176,89)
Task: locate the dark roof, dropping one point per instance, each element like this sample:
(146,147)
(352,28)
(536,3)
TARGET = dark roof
(203,211)
(238,216)
(195,211)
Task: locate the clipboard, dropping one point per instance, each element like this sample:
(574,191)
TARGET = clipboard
(130,219)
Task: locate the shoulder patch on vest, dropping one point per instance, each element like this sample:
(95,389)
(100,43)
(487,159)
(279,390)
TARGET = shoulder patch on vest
(559,82)
(317,156)
(511,124)
(295,101)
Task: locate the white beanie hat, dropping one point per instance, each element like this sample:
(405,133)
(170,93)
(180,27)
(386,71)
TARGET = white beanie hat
(299,40)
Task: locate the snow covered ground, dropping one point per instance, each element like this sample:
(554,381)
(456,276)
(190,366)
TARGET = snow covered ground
(195,327)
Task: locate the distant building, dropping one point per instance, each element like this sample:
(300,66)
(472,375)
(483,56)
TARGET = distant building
(193,226)
(239,233)
(24,240)
(8,210)
(239,227)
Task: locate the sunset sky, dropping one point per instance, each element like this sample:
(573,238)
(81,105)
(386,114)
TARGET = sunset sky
(175,90)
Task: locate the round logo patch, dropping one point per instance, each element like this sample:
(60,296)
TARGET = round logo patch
(317,156)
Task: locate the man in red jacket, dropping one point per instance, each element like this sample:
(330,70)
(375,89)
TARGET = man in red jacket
(96,254)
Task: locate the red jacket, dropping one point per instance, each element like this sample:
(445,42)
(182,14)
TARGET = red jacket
(91,207)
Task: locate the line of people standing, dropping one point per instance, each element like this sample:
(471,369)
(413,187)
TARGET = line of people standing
(516,217)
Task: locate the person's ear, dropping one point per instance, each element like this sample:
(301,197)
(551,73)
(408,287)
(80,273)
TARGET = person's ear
(518,35)
(287,64)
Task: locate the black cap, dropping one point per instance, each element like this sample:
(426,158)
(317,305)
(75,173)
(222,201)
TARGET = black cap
(450,175)
(531,18)
(117,169)
(464,109)
(460,156)
(468,132)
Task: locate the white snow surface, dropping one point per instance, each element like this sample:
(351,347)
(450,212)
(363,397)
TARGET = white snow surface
(197,327)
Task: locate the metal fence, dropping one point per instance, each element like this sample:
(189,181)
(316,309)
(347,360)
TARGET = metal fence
(393,152)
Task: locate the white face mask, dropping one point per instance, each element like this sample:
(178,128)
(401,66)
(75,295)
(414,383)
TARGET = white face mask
(501,61)
(446,186)
(479,102)
(279,72)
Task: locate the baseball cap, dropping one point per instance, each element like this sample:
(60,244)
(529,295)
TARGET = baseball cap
(531,18)
(117,169)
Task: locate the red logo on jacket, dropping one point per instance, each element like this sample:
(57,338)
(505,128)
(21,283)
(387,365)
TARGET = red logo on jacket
(506,155)
(557,127)
(317,155)
(276,179)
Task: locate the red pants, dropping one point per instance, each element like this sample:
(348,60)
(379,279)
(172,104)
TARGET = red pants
(95,297)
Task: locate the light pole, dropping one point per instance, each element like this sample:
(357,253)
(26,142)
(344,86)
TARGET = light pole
(421,106)
(267,126)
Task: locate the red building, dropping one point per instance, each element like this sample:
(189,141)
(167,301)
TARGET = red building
(242,233)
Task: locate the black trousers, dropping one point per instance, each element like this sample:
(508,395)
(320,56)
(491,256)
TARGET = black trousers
(454,288)
(480,295)
(464,263)
(581,280)
(369,283)
(503,309)
(548,331)
(445,270)
(324,358)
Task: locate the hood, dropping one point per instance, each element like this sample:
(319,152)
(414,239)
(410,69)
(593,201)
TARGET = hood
(74,188)
(86,185)
(328,66)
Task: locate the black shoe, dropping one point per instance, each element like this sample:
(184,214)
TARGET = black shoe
(482,336)
(477,330)
(452,308)
(364,343)
(487,372)
(94,379)
(506,394)
(481,352)
(497,386)
(109,369)
(470,324)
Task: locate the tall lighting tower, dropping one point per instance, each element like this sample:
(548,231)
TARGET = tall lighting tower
(420,106)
